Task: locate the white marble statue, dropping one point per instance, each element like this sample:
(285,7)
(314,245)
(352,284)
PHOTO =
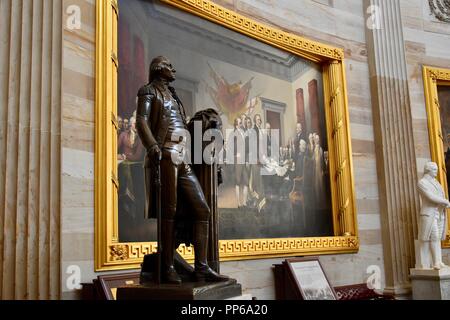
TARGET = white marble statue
(432,219)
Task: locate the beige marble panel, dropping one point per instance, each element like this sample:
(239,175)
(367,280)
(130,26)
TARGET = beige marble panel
(368,222)
(363,147)
(370,237)
(78,109)
(77,220)
(78,84)
(78,164)
(78,247)
(368,206)
(78,193)
(362,132)
(78,135)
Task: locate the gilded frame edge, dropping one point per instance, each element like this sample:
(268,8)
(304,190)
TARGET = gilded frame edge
(112,255)
(432,77)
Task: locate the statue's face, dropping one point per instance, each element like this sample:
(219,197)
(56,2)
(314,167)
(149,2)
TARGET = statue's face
(167,70)
(433,171)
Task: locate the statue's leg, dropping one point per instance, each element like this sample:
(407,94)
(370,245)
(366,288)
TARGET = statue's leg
(424,254)
(436,254)
(193,193)
(441,229)
(169,206)
(435,246)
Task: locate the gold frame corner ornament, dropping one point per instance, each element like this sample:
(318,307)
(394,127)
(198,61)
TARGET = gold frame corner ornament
(110,254)
(433,77)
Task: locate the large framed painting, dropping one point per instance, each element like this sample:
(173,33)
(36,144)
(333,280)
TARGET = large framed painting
(297,200)
(437,98)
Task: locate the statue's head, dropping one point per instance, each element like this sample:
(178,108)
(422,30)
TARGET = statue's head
(431,169)
(161,69)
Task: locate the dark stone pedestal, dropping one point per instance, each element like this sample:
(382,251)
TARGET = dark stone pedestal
(186,291)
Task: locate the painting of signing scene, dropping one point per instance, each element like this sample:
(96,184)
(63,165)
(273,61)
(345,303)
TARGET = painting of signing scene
(444,103)
(275,186)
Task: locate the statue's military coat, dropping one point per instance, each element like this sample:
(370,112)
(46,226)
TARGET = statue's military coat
(153,108)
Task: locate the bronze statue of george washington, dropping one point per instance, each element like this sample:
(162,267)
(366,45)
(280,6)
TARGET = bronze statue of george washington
(161,116)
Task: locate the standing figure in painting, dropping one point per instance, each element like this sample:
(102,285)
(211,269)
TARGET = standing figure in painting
(257,185)
(268,137)
(300,159)
(299,135)
(319,163)
(250,157)
(237,141)
(432,219)
(161,116)
(308,187)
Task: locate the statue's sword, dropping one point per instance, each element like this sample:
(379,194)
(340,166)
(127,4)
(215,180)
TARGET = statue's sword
(158,216)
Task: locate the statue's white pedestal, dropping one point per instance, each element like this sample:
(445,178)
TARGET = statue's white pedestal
(430,284)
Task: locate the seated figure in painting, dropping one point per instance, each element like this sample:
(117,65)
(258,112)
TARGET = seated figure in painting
(161,116)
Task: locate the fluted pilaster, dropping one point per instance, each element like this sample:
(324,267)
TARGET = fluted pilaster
(30,98)
(396,160)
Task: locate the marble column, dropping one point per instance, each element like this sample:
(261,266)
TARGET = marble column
(394,140)
(30,121)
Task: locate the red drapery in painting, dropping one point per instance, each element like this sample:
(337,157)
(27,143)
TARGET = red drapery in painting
(125,73)
(314,106)
(140,75)
(301,108)
(132,69)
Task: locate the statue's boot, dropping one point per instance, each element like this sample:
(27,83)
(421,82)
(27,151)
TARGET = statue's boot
(168,272)
(202,271)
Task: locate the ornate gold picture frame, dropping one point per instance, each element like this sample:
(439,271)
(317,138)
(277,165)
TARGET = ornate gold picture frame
(110,254)
(434,77)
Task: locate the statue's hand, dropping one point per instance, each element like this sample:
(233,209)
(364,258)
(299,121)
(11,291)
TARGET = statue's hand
(155,154)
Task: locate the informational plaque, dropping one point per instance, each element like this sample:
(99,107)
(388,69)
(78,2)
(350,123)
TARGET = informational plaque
(311,280)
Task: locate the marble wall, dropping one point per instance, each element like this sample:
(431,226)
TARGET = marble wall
(77,135)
